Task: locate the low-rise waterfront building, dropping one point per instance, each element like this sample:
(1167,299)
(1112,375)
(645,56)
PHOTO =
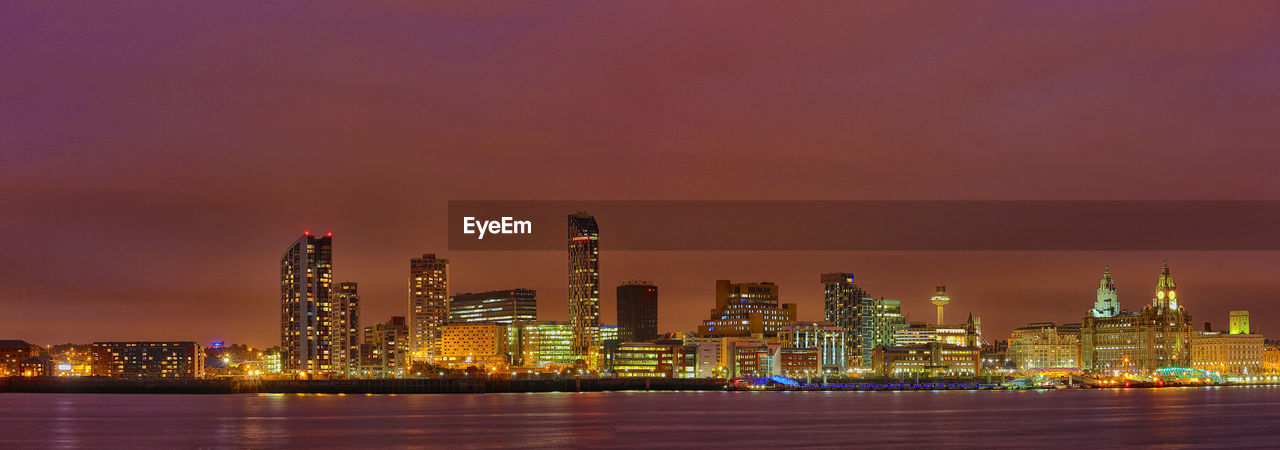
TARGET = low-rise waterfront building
(828,339)
(932,359)
(148,359)
(662,359)
(1237,352)
(798,362)
(36,366)
(474,344)
(546,345)
(1271,356)
(12,353)
(1041,345)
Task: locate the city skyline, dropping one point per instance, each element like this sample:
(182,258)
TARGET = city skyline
(904,101)
(916,310)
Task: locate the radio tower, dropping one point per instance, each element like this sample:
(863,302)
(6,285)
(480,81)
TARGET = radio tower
(940,298)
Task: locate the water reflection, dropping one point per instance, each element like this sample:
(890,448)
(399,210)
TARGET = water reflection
(1168,417)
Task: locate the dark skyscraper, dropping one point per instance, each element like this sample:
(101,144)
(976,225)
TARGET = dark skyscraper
(584,285)
(637,311)
(344,318)
(306,272)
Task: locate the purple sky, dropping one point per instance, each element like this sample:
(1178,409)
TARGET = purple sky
(157,157)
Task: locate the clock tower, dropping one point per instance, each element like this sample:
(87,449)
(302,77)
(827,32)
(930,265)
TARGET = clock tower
(1166,291)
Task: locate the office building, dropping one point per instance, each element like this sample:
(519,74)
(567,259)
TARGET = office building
(477,344)
(306,278)
(385,352)
(935,359)
(798,362)
(428,305)
(710,361)
(827,339)
(663,359)
(1156,337)
(148,359)
(880,320)
(505,307)
(637,311)
(753,360)
(1044,345)
(345,321)
(584,285)
(546,345)
(747,309)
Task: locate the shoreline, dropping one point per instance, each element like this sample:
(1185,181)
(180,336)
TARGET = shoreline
(93,385)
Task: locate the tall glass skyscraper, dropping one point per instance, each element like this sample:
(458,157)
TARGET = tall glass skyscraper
(842,301)
(306,273)
(866,320)
(584,285)
(428,305)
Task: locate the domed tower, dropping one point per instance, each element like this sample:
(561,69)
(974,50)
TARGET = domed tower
(940,298)
(1108,302)
(1166,291)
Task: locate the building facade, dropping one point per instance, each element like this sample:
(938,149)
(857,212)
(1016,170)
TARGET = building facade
(505,307)
(798,362)
(12,353)
(637,311)
(584,285)
(477,344)
(1158,336)
(935,359)
(1043,345)
(747,309)
(1236,352)
(546,345)
(663,359)
(828,339)
(345,322)
(843,305)
(148,359)
(385,352)
(881,320)
(306,278)
(428,305)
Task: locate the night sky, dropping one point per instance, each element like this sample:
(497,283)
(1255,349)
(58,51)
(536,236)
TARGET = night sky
(156,158)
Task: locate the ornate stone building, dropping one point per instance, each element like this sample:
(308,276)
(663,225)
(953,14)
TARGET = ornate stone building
(1158,336)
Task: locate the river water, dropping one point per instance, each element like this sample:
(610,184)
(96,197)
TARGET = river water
(1199,417)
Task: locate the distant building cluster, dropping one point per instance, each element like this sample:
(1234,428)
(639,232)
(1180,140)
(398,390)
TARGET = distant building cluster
(749,333)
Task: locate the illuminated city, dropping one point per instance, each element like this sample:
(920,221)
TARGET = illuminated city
(639,224)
